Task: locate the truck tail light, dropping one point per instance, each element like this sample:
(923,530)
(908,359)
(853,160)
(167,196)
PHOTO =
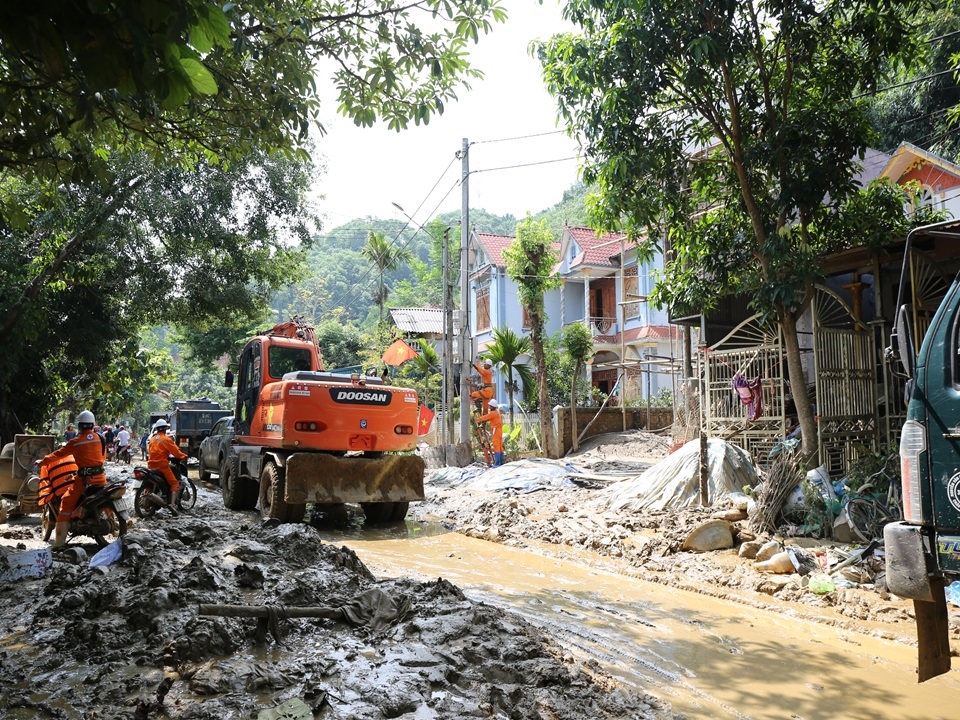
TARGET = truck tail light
(913,441)
(309,426)
(403,430)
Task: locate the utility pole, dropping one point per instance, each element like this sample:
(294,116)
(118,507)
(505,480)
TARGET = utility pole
(466,344)
(447,438)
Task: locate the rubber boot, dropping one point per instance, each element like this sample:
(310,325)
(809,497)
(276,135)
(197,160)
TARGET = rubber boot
(60,534)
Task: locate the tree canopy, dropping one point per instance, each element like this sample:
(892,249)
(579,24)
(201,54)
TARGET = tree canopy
(84,269)
(200,79)
(730,128)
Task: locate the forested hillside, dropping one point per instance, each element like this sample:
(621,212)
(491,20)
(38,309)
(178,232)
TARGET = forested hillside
(339,281)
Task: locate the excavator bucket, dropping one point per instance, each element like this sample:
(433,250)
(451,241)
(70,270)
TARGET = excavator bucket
(322,478)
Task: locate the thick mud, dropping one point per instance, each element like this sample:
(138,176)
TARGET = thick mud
(573,521)
(127,640)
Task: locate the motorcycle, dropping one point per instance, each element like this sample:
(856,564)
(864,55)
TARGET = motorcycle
(101,514)
(123,455)
(152,491)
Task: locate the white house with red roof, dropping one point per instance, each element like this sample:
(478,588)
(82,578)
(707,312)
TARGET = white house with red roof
(630,338)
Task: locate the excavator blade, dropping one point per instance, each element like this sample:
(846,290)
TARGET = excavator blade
(322,478)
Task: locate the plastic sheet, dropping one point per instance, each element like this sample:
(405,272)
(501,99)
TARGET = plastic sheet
(674,482)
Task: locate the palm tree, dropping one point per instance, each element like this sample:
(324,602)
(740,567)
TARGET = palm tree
(385,256)
(506,348)
(424,370)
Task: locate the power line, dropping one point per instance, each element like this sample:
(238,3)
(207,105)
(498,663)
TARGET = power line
(518,137)
(522,165)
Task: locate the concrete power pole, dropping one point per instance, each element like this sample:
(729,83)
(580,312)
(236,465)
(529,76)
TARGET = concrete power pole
(447,342)
(466,344)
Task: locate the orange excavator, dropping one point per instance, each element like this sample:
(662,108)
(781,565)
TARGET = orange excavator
(304,435)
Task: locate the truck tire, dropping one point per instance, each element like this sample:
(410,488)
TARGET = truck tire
(379,513)
(272,504)
(203,473)
(238,493)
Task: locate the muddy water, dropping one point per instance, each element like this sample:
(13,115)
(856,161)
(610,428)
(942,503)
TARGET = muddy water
(708,658)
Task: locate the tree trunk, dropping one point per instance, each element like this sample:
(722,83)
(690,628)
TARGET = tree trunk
(573,406)
(543,399)
(798,387)
(510,392)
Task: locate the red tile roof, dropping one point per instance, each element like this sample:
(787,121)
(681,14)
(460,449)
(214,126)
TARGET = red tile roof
(594,250)
(493,246)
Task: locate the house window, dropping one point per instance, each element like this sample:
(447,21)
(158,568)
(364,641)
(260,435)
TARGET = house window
(631,289)
(483,308)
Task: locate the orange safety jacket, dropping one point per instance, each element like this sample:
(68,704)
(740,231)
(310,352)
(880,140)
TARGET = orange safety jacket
(161,448)
(89,452)
(496,428)
(56,478)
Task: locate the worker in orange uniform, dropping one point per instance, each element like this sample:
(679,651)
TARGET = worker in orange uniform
(89,451)
(496,431)
(485,392)
(161,448)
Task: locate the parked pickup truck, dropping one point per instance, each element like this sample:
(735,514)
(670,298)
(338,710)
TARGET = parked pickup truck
(923,551)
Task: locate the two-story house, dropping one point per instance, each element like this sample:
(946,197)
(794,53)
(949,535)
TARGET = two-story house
(602,285)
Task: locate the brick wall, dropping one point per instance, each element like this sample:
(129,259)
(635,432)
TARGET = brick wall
(610,420)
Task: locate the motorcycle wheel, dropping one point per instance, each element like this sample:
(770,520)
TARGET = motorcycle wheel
(107,515)
(48,520)
(143,504)
(188,494)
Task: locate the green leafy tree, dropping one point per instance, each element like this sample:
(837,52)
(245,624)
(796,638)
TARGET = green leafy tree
(921,103)
(84,270)
(578,342)
(340,342)
(506,349)
(200,79)
(530,261)
(733,127)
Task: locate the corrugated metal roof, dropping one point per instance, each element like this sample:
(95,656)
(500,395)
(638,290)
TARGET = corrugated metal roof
(425,321)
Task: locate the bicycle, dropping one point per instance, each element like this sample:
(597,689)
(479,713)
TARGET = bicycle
(876,503)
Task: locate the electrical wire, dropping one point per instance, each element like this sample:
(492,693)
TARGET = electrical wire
(522,165)
(518,137)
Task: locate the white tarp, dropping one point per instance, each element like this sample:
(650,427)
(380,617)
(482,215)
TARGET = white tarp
(674,482)
(525,475)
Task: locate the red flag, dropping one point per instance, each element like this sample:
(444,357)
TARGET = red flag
(426,417)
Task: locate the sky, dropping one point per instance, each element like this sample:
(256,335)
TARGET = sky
(370,169)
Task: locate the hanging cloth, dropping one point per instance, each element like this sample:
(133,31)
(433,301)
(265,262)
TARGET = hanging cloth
(750,395)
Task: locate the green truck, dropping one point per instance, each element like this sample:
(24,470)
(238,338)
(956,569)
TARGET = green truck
(923,551)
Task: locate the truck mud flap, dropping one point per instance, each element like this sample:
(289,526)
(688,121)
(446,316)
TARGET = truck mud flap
(933,634)
(320,478)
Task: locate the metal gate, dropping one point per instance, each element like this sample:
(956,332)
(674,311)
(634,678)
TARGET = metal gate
(755,353)
(846,365)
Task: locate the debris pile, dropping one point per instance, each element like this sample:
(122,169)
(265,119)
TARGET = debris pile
(126,639)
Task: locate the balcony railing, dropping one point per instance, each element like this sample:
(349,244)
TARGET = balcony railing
(599,325)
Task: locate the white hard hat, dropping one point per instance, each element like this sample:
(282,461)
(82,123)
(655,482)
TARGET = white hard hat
(86,418)
(161,423)
(494,404)
(488,363)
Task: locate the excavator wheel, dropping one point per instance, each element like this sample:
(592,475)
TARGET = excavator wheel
(272,504)
(238,493)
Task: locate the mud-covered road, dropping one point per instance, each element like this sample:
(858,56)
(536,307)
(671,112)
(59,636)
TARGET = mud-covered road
(482,604)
